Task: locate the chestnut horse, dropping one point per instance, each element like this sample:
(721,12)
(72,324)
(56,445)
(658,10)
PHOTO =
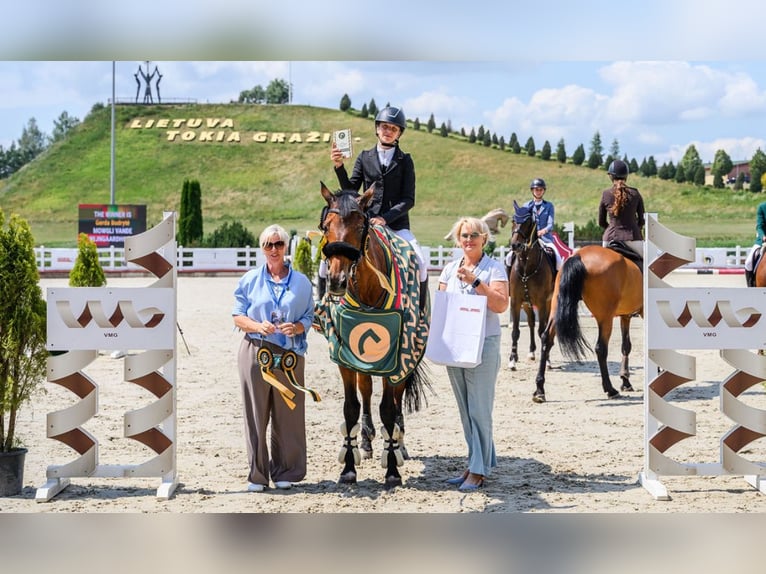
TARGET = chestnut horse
(760,271)
(357,269)
(530,280)
(611,286)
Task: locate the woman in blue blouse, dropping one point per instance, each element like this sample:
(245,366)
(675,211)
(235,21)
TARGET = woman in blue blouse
(274,307)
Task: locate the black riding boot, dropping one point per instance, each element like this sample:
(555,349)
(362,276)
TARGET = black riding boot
(424,295)
(321,286)
(750,278)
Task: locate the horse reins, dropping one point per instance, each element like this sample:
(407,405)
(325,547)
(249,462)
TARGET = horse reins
(525,277)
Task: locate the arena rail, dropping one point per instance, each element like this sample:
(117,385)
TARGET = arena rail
(54,260)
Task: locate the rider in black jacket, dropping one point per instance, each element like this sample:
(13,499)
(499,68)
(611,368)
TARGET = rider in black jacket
(393,173)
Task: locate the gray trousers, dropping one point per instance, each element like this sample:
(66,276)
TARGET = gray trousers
(263,404)
(474,390)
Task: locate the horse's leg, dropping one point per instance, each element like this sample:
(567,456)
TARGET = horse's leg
(364,384)
(398,398)
(349,453)
(515,312)
(602,348)
(546,343)
(530,310)
(626,348)
(391,457)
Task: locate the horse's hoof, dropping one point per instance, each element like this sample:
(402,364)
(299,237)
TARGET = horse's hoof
(627,387)
(536,398)
(512,365)
(348,478)
(531,356)
(365,453)
(392,482)
(613,395)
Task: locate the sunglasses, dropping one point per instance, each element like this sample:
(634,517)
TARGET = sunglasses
(269,246)
(473,235)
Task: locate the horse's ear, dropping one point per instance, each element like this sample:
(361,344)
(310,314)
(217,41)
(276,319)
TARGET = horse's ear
(326,193)
(515,206)
(364,201)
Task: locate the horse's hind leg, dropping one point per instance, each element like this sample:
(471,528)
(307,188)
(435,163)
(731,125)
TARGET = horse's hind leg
(546,343)
(391,457)
(626,348)
(398,398)
(514,357)
(364,384)
(602,348)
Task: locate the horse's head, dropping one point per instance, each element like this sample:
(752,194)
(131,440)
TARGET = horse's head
(345,226)
(524,228)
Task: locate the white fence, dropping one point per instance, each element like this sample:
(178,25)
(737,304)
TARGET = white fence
(200,260)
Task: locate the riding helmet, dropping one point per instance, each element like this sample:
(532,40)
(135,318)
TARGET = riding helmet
(391,115)
(618,169)
(537,182)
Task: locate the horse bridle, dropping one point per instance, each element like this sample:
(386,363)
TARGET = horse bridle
(343,248)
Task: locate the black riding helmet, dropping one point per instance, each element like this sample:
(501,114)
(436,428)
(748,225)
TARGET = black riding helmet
(618,169)
(537,182)
(391,115)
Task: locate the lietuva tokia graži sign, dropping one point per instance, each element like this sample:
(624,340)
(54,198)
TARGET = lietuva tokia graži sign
(223,130)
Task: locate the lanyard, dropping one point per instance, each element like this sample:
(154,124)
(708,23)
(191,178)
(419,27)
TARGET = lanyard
(277,299)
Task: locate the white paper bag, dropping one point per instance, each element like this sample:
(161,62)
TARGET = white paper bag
(456,336)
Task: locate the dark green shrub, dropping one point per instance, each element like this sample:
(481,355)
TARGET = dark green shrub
(302,258)
(231,234)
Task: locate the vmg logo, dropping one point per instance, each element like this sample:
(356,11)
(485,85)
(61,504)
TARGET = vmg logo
(745,317)
(124,311)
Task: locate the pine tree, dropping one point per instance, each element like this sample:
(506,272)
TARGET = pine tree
(345,103)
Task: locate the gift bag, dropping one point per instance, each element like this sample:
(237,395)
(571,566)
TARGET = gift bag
(456,338)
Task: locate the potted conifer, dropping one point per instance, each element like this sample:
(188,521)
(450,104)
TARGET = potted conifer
(23,357)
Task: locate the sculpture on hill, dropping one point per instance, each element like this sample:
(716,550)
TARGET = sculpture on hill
(147,80)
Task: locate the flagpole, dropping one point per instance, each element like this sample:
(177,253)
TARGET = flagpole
(111,178)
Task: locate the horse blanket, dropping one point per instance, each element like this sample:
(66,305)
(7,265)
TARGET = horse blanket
(388,340)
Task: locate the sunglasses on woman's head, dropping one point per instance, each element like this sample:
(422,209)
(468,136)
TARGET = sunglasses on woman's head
(472,235)
(278,244)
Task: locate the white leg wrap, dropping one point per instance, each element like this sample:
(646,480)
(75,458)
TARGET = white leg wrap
(350,443)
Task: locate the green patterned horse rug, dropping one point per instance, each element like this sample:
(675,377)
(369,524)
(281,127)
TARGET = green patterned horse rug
(387,341)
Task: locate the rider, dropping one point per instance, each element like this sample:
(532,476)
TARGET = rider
(760,237)
(621,210)
(543,212)
(393,173)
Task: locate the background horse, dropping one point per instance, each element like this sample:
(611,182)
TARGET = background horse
(760,271)
(530,280)
(611,286)
(495,219)
(356,269)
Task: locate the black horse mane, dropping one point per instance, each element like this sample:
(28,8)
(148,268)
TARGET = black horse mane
(347,201)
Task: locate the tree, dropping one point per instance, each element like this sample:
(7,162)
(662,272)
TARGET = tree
(699,175)
(614,149)
(501,143)
(756,179)
(278,92)
(578,157)
(472,136)
(480,133)
(596,149)
(651,166)
(345,103)
(32,141)
(594,160)
(516,147)
(255,96)
(545,153)
(487,141)
(372,108)
(231,234)
(190,214)
(302,258)
(721,166)
(364,112)
(718,181)
(561,152)
(758,161)
(431,126)
(530,147)
(514,140)
(680,173)
(23,356)
(87,270)
(443,130)
(690,162)
(416,125)
(63,125)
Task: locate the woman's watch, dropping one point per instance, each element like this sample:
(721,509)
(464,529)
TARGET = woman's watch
(475,283)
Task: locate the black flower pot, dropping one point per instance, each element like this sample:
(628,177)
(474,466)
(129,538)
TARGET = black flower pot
(12,471)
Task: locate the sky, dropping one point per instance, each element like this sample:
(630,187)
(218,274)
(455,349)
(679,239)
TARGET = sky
(656,76)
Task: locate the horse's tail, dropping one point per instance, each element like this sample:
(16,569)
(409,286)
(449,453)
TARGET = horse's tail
(571,340)
(415,386)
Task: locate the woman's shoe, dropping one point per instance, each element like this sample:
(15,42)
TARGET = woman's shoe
(457,479)
(470,487)
(254,487)
(283,485)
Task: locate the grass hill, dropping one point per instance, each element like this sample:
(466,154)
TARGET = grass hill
(262,182)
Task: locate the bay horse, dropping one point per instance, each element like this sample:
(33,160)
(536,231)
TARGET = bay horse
(611,286)
(530,280)
(357,269)
(760,270)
